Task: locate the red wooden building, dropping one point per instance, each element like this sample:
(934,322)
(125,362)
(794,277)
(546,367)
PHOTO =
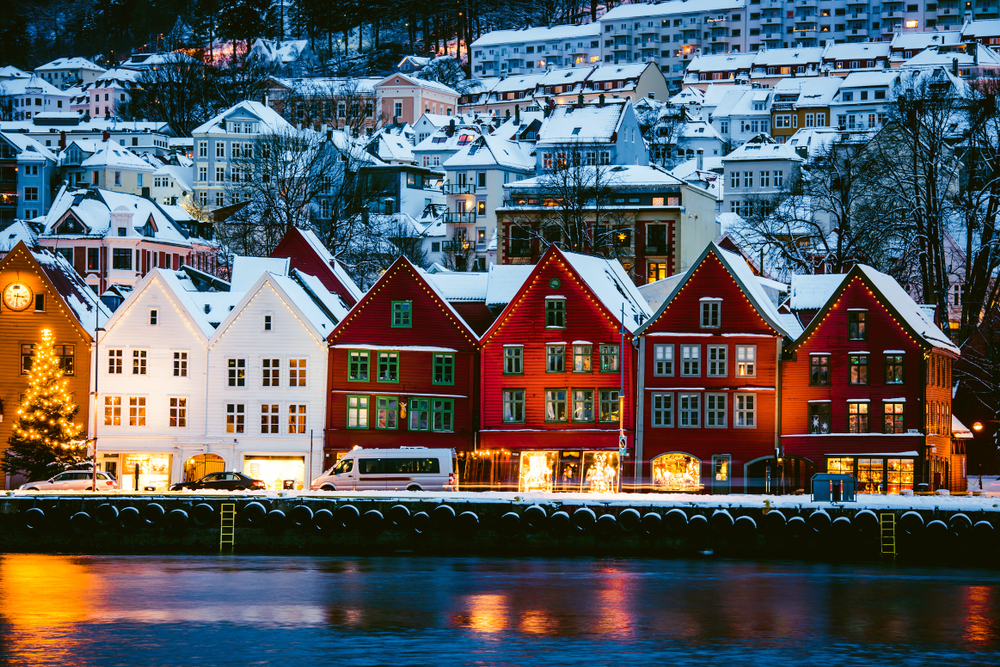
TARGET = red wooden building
(308,254)
(867,387)
(551,369)
(402,369)
(709,366)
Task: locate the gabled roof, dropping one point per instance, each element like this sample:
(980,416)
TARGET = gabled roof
(571,123)
(744,277)
(270,119)
(335,266)
(69,63)
(543,34)
(892,297)
(459,285)
(94,207)
(505,282)
(914,41)
(16,232)
(489,151)
(417,81)
(111,155)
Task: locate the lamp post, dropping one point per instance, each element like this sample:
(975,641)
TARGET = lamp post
(97,332)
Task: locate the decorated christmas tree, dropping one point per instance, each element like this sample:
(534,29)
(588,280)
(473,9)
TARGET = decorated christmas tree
(44,435)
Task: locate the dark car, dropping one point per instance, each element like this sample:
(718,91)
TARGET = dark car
(222,481)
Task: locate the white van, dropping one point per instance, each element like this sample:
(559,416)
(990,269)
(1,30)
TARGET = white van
(406,468)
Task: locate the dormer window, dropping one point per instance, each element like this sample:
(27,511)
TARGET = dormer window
(121,231)
(711,313)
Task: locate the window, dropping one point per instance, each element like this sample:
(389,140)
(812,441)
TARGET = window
(237,372)
(153,317)
(296,418)
(267,323)
(582,356)
(662,410)
(690,410)
(513,405)
(690,360)
(444,369)
(235,413)
(92,259)
(269,418)
(819,417)
(136,410)
(583,405)
(555,405)
(202,149)
(746,360)
(715,410)
(296,372)
(663,360)
(717,361)
(402,314)
(121,258)
(180,364)
(270,372)
(734,180)
(857,325)
(555,358)
(609,358)
(420,414)
(555,313)
(112,410)
(745,411)
(609,405)
(357,366)
(388,366)
(64,353)
(387,412)
(115,362)
(178,413)
(710,311)
(857,417)
(858,364)
(894,369)
(513,360)
(138,362)
(893,414)
(747,179)
(357,412)
(819,369)
(31,194)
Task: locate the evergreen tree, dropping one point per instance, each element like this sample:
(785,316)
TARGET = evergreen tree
(44,432)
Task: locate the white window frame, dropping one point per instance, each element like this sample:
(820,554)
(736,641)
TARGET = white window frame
(663,354)
(657,408)
(692,413)
(715,407)
(690,354)
(744,360)
(740,411)
(713,366)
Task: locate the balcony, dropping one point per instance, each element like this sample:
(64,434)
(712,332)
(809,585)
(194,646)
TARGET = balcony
(774,20)
(858,16)
(781,106)
(459,188)
(8,198)
(861,32)
(807,3)
(454,217)
(895,14)
(772,4)
(457,245)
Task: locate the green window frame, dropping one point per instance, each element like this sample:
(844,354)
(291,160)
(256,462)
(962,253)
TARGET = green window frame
(609,406)
(609,358)
(387,412)
(444,369)
(402,314)
(555,405)
(582,357)
(358,365)
(443,415)
(388,366)
(583,405)
(513,360)
(555,313)
(513,406)
(357,411)
(420,414)
(555,358)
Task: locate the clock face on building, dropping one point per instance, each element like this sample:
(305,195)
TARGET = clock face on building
(17,296)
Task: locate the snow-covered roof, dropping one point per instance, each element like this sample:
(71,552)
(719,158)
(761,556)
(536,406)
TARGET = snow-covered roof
(149,60)
(570,123)
(94,207)
(391,149)
(246,270)
(33,86)
(612,286)
(328,85)
(15,232)
(960,430)
(182,175)
(614,176)
(724,62)
(416,81)
(688,95)
(270,119)
(811,292)
(28,148)
(913,41)
(11,72)
(945,56)
(791,56)
(809,92)
(868,79)
(460,285)
(338,268)
(88,309)
(763,151)
(982,28)
(112,155)
(640,10)
(857,51)
(69,63)
(504,282)
(284,52)
(558,32)
(619,72)
(487,151)
(440,142)
(206,309)
(715,93)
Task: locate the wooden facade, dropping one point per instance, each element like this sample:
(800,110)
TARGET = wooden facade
(402,369)
(867,390)
(550,383)
(709,363)
(59,302)
(308,255)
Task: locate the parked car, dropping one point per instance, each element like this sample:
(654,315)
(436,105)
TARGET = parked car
(409,468)
(74,480)
(223,481)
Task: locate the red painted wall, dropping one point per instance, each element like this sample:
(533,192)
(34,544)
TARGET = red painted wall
(304,258)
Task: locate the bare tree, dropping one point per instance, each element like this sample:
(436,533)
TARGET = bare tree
(346,104)
(175,93)
(662,127)
(241,79)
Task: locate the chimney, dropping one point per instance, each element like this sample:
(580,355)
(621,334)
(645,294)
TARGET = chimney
(62,140)
(517,114)
(954,66)
(451,128)
(600,99)
(579,99)
(105,136)
(975,53)
(701,160)
(329,136)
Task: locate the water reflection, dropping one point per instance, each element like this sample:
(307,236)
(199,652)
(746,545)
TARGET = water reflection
(58,610)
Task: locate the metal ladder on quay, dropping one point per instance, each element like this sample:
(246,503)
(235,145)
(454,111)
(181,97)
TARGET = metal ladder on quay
(227,531)
(887,531)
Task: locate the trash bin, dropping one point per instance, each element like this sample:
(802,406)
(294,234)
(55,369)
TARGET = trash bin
(923,487)
(288,484)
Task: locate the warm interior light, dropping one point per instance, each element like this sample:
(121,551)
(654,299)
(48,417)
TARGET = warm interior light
(978,426)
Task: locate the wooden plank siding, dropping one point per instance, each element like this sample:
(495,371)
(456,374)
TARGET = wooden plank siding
(435,324)
(679,323)
(523,323)
(828,333)
(305,258)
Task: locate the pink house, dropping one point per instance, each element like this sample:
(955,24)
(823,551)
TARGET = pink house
(403,99)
